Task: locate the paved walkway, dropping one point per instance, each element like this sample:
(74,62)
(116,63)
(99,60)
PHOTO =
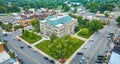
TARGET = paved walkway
(40,41)
(84,39)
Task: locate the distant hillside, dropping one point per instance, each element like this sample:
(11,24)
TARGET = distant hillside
(7,6)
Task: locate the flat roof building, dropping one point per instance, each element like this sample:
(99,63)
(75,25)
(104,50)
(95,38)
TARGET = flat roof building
(60,25)
(4,56)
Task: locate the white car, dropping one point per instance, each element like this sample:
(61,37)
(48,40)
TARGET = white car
(91,40)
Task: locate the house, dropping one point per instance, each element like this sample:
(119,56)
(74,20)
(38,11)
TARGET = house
(60,25)
(4,56)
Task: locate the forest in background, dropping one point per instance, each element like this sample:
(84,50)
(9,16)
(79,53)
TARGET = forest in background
(7,6)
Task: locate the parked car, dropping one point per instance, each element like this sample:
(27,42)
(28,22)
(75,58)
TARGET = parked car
(52,61)
(79,53)
(91,40)
(100,56)
(46,58)
(18,39)
(99,61)
(29,46)
(21,60)
(80,62)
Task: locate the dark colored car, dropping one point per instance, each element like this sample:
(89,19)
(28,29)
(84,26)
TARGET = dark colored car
(99,61)
(100,56)
(29,46)
(52,61)
(19,40)
(21,60)
(79,53)
(21,47)
(46,58)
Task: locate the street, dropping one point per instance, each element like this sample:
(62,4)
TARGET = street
(98,46)
(29,55)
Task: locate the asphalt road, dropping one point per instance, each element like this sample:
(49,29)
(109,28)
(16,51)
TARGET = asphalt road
(29,55)
(98,46)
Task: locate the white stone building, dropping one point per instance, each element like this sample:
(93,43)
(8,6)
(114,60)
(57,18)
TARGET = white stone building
(60,25)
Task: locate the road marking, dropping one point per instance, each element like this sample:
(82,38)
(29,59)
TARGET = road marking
(25,54)
(95,51)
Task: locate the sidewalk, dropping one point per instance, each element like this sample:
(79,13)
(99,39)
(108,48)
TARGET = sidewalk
(86,41)
(40,41)
(37,50)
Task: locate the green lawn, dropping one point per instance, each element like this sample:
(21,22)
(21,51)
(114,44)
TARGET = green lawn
(85,36)
(30,37)
(70,45)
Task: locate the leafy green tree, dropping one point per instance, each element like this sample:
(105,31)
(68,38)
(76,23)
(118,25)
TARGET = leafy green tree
(77,28)
(66,8)
(84,31)
(1,23)
(53,36)
(118,20)
(106,15)
(7,27)
(72,15)
(94,25)
(36,25)
(17,27)
(81,21)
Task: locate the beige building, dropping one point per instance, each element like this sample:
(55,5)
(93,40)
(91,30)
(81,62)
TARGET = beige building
(25,22)
(60,25)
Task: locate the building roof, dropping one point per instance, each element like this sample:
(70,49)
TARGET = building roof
(114,59)
(55,20)
(4,56)
(1,48)
(116,49)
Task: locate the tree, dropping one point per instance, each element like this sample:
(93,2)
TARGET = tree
(1,23)
(81,21)
(77,28)
(106,15)
(66,8)
(84,31)
(36,25)
(94,25)
(52,37)
(75,10)
(72,15)
(17,27)
(118,20)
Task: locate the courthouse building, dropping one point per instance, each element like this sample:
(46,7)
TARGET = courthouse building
(60,25)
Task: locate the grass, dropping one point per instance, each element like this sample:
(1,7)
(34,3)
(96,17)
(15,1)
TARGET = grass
(70,49)
(85,36)
(31,37)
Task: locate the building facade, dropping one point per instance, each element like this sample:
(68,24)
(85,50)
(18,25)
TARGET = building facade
(25,22)
(60,25)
